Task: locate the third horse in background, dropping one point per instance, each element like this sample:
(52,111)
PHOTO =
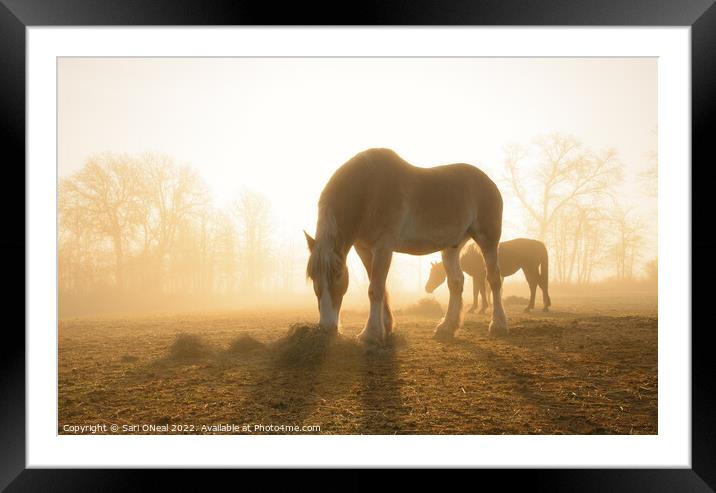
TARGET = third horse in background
(521,253)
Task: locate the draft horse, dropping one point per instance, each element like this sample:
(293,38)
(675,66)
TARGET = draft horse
(521,253)
(379,203)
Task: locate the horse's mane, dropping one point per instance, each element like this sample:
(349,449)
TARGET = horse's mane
(324,258)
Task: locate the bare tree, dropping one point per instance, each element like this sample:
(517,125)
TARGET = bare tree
(564,173)
(104,193)
(170,194)
(225,252)
(627,243)
(252,211)
(205,245)
(287,262)
(591,252)
(576,242)
(77,245)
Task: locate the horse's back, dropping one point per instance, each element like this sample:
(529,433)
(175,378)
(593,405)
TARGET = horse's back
(364,172)
(362,190)
(385,166)
(377,191)
(524,246)
(521,252)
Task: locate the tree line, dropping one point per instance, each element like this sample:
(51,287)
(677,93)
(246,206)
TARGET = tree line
(147,225)
(143,223)
(571,198)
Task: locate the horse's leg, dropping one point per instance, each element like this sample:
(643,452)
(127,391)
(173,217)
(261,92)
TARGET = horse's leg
(388,322)
(483,293)
(455,280)
(531,275)
(374,330)
(366,257)
(498,324)
(546,301)
(475,294)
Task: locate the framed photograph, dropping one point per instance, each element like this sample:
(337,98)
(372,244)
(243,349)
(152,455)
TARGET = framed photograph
(418,237)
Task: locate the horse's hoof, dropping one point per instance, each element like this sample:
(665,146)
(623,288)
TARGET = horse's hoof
(471,310)
(497,330)
(368,339)
(443,335)
(528,309)
(445,331)
(545,309)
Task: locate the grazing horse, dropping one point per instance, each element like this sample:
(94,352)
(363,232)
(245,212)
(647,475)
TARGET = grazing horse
(521,253)
(379,204)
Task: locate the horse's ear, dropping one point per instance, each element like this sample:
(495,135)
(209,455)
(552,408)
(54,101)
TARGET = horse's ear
(311,242)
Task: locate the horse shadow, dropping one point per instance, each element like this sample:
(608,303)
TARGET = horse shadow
(559,413)
(307,377)
(316,378)
(299,378)
(383,410)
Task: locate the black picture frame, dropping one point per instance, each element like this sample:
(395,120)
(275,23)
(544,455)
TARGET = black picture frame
(16,15)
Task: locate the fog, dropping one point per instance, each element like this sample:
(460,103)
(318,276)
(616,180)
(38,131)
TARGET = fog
(186,183)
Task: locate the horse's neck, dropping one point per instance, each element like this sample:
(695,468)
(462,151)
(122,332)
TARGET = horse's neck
(328,231)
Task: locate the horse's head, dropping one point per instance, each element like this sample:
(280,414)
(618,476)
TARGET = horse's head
(437,276)
(329,273)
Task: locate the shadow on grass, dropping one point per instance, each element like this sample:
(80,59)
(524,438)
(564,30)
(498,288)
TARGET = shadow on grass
(546,388)
(285,381)
(383,411)
(306,369)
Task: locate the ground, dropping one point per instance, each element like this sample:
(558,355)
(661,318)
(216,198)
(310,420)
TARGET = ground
(587,367)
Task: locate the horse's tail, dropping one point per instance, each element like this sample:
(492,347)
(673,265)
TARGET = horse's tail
(544,276)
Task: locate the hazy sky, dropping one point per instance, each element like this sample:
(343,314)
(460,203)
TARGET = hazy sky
(282,126)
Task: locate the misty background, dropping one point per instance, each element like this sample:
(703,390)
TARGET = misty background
(186,183)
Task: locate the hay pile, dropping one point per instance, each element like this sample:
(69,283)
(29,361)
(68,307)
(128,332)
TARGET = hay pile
(425,307)
(187,347)
(515,300)
(303,344)
(245,344)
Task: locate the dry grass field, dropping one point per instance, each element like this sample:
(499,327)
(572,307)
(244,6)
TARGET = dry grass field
(587,367)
